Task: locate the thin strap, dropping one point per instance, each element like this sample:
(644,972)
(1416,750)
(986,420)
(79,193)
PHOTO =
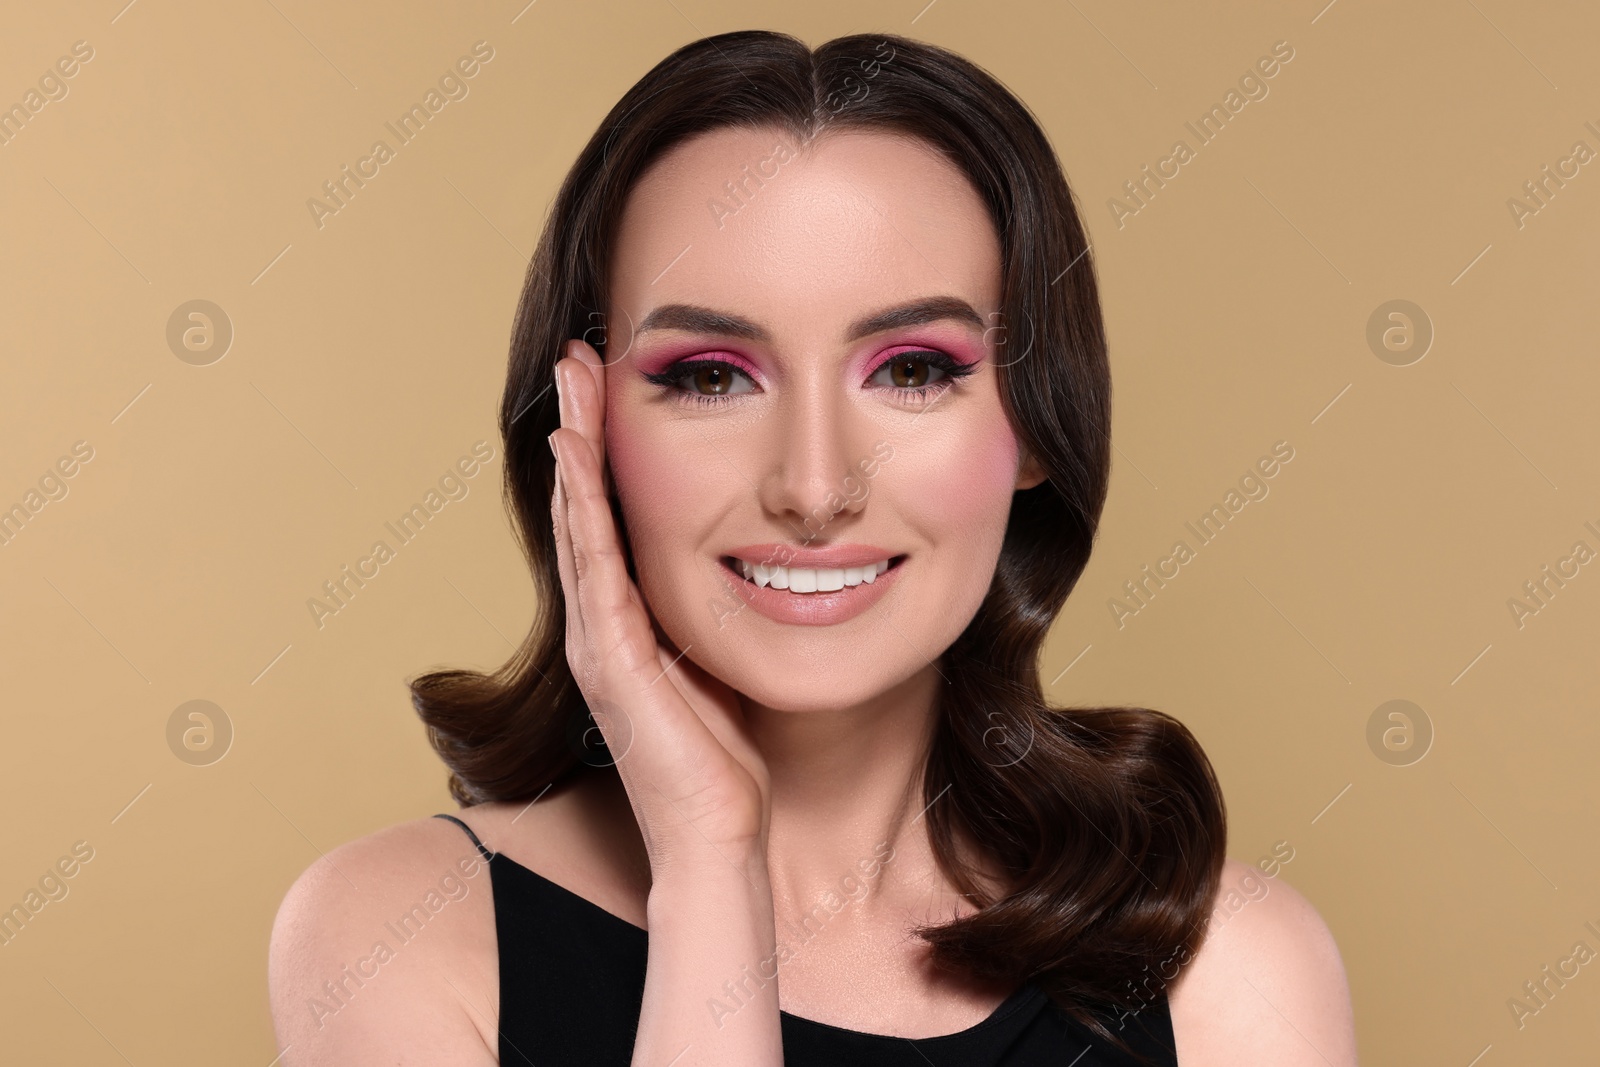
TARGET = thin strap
(486,853)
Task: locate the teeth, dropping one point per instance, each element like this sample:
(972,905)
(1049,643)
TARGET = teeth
(810,579)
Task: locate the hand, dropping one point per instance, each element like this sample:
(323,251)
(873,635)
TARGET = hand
(693,776)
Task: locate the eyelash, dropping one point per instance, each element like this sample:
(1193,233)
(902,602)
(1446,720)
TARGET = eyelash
(918,396)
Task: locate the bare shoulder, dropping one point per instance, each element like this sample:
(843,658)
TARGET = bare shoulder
(383,951)
(1267,980)
(583,836)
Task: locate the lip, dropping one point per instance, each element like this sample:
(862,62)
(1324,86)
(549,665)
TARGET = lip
(794,556)
(815,609)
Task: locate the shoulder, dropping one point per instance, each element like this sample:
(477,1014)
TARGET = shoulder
(582,835)
(384,949)
(1268,978)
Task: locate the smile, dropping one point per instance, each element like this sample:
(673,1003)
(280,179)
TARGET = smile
(808,579)
(812,596)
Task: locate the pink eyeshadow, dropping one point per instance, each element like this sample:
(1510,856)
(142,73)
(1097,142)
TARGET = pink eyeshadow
(661,360)
(959,346)
(959,353)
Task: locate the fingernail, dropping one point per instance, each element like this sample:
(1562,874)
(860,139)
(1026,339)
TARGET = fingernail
(558,388)
(551,441)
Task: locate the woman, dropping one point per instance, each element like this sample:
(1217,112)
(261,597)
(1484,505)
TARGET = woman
(827,452)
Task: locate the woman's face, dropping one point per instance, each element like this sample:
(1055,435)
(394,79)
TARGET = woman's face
(756,414)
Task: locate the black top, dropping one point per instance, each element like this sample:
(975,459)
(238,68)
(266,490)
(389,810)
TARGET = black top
(572,985)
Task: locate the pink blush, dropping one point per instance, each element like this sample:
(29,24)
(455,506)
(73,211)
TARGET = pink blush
(648,469)
(973,477)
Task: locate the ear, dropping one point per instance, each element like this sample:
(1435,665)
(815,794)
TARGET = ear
(1029,472)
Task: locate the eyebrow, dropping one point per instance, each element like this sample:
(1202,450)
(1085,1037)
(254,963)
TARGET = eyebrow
(695,319)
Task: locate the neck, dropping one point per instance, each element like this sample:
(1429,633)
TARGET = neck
(846,792)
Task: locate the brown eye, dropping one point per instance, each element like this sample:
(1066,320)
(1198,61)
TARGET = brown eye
(703,381)
(909,373)
(712,380)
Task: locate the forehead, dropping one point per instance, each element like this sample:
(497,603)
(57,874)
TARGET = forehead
(803,237)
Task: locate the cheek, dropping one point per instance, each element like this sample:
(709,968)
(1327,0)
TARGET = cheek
(961,482)
(670,493)
(647,483)
(954,489)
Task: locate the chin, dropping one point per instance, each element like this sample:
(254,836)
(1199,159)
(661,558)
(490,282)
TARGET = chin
(806,672)
(806,693)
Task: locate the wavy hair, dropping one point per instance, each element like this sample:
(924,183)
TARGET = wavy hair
(1107,824)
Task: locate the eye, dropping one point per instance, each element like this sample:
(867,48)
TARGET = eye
(920,374)
(703,380)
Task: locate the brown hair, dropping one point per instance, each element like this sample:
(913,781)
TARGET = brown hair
(1107,822)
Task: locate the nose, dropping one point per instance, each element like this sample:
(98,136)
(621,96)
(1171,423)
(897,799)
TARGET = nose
(813,483)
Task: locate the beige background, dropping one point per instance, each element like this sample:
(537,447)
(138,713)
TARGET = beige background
(368,356)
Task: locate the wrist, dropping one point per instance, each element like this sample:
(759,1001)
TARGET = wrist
(737,916)
(683,876)
(698,861)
